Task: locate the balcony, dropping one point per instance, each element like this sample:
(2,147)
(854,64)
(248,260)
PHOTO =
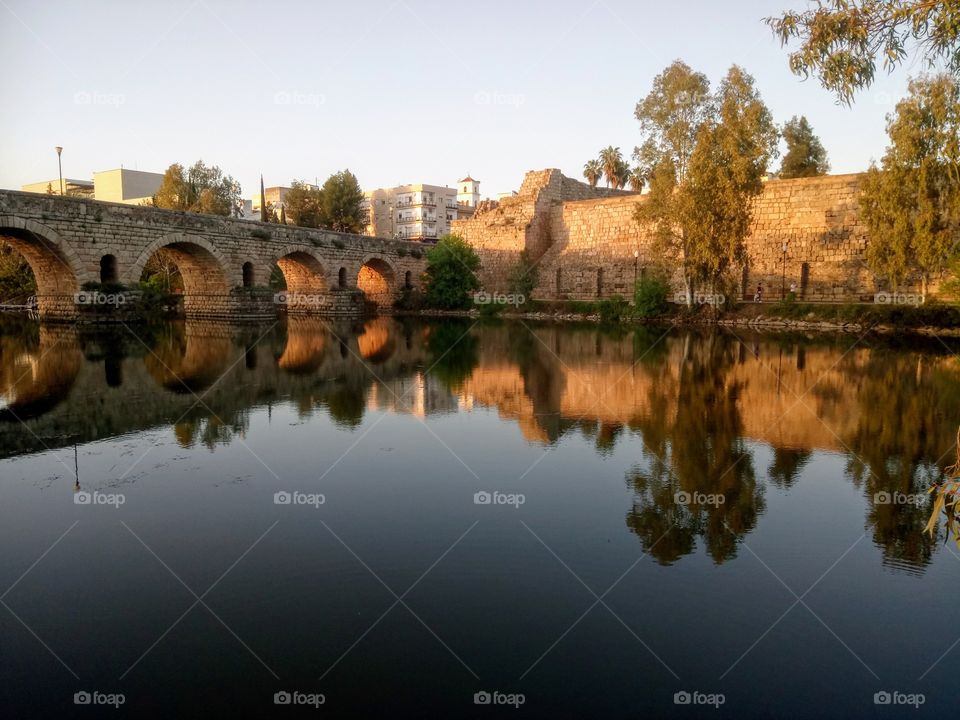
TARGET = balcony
(414,220)
(412,203)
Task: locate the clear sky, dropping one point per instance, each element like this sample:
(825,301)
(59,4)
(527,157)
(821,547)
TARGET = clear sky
(396,90)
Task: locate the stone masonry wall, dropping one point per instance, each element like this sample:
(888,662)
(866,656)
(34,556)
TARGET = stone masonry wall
(522,223)
(593,248)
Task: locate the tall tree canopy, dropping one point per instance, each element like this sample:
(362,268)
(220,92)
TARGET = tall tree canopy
(911,203)
(342,203)
(200,189)
(593,171)
(842,40)
(806,156)
(706,155)
(304,204)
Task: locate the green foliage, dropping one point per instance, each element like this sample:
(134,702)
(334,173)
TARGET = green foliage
(451,274)
(201,189)
(911,204)
(705,157)
(613,310)
(523,277)
(410,299)
(806,156)
(841,40)
(651,296)
(303,204)
(614,167)
(260,234)
(593,171)
(16,278)
(342,204)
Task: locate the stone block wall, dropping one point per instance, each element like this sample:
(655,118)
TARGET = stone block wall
(806,232)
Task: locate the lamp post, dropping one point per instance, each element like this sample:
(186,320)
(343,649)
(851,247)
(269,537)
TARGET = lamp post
(636,259)
(60,167)
(783,277)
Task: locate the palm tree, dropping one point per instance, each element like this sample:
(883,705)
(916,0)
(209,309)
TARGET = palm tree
(610,157)
(593,171)
(622,176)
(636,179)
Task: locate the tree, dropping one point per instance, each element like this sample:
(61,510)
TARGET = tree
(806,156)
(263,202)
(621,174)
(637,179)
(451,274)
(670,117)
(17,281)
(841,40)
(911,204)
(201,189)
(703,216)
(304,204)
(610,159)
(342,204)
(593,171)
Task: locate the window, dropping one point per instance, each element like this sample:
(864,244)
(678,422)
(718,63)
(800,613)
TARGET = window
(248,274)
(108,269)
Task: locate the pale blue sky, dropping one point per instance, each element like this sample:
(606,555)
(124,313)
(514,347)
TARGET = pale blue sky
(398,91)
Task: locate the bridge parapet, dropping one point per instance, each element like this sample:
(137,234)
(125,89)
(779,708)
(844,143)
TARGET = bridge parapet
(73,242)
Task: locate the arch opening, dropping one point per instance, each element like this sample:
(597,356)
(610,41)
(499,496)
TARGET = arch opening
(377,281)
(304,279)
(32,265)
(189,270)
(108,270)
(249,276)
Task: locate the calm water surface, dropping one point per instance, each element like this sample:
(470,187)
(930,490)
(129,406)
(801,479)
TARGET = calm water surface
(401,515)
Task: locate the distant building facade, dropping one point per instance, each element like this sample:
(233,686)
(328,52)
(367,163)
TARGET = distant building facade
(419,211)
(131,187)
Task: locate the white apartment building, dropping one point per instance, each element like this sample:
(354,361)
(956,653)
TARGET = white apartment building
(419,211)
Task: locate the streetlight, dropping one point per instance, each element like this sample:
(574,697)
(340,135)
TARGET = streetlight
(60,167)
(783,277)
(636,259)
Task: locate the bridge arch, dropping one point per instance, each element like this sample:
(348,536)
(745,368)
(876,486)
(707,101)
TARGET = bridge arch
(377,278)
(302,269)
(204,269)
(56,265)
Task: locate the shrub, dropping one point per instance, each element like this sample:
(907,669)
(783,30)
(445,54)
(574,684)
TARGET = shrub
(260,234)
(451,274)
(650,296)
(523,277)
(613,309)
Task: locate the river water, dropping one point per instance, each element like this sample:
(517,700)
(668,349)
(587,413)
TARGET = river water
(415,518)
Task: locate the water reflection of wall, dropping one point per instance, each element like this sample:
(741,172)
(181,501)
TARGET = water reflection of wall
(700,402)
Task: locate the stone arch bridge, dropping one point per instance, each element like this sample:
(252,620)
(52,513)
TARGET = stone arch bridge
(225,263)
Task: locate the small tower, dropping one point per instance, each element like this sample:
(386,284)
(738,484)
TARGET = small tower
(468,192)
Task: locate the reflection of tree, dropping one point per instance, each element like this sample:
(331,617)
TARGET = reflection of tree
(902,434)
(345,403)
(456,353)
(786,466)
(699,452)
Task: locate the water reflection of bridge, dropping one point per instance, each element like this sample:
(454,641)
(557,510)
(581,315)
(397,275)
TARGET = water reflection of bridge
(705,405)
